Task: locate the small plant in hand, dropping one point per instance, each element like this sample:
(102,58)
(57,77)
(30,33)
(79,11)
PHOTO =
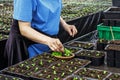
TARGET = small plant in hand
(66,53)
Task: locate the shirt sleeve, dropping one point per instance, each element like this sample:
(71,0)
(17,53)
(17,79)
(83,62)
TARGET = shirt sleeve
(23,10)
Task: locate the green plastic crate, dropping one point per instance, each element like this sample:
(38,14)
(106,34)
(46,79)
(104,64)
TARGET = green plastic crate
(108,33)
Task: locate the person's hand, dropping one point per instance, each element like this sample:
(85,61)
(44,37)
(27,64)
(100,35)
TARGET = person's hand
(71,29)
(55,45)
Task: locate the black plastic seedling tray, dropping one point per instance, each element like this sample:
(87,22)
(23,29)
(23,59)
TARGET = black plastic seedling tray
(112,13)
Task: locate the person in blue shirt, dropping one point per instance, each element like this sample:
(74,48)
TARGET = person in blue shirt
(38,21)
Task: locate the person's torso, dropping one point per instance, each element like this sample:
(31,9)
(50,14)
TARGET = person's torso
(46,16)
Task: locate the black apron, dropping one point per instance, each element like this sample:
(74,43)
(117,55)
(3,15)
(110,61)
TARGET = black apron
(16,46)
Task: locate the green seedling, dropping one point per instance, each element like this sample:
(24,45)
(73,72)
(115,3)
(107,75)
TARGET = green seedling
(67,52)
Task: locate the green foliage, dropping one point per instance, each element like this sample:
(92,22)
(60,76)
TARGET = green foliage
(75,78)
(67,52)
(56,54)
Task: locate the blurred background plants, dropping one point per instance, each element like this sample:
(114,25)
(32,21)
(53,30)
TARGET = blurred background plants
(72,9)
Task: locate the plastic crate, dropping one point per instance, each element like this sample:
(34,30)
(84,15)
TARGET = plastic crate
(108,33)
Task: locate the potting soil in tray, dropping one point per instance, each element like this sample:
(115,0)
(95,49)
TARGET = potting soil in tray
(75,77)
(92,73)
(28,67)
(101,44)
(114,42)
(61,69)
(7,77)
(97,57)
(113,76)
(72,49)
(79,44)
(113,47)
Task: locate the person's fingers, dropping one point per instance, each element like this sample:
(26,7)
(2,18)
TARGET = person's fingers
(56,45)
(74,31)
(60,46)
(51,48)
(70,32)
(55,48)
(52,45)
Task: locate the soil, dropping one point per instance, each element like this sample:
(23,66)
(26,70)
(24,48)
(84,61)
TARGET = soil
(79,62)
(15,70)
(114,76)
(74,77)
(113,47)
(84,45)
(91,53)
(38,66)
(45,56)
(61,69)
(52,74)
(92,73)
(6,77)
(114,42)
(102,41)
(73,49)
(30,66)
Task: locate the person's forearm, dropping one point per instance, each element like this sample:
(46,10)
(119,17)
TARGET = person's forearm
(62,22)
(31,34)
(53,43)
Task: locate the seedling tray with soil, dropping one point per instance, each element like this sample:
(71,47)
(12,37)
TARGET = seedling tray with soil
(101,44)
(7,77)
(97,57)
(61,69)
(75,77)
(114,42)
(73,49)
(113,47)
(115,50)
(79,44)
(113,76)
(28,67)
(92,73)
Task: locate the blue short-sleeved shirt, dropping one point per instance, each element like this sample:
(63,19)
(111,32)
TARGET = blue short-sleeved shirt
(44,15)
